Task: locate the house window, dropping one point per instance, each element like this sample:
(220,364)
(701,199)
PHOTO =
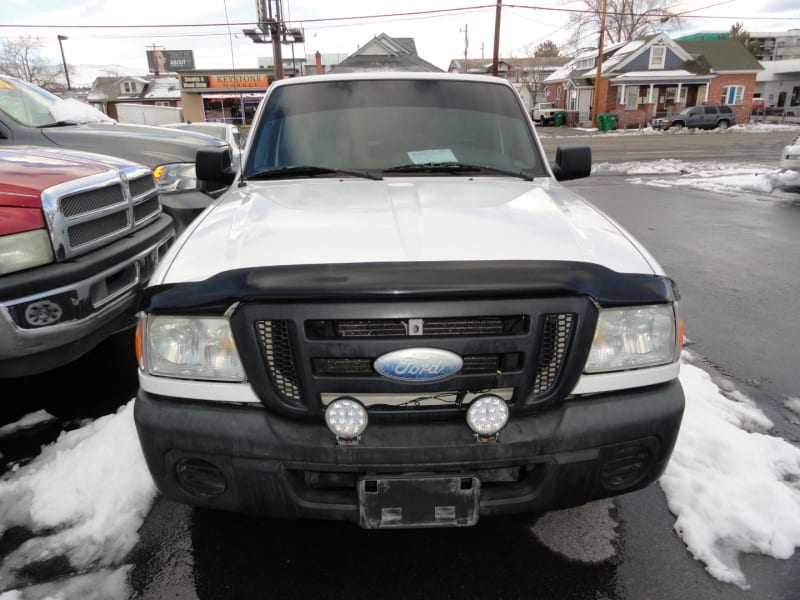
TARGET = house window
(129,87)
(795,99)
(631,99)
(163,103)
(732,94)
(585,63)
(558,93)
(657,54)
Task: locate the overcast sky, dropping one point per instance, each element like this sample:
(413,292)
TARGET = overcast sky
(330,27)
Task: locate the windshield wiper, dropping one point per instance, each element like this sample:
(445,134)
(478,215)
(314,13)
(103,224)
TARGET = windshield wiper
(455,167)
(310,171)
(59,124)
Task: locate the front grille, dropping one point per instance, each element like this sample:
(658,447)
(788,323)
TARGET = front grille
(145,210)
(90,231)
(359,367)
(556,333)
(92,201)
(324,329)
(88,213)
(277,349)
(142,185)
(304,355)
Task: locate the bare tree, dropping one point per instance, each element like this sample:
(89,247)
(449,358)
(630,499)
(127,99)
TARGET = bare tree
(20,58)
(625,20)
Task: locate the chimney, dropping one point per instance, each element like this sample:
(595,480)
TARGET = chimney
(318,58)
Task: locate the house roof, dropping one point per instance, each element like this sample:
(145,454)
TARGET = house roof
(110,89)
(723,55)
(385,53)
(700,58)
(528,63)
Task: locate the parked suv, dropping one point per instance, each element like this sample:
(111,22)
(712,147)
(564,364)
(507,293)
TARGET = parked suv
(544,113)
(697,117)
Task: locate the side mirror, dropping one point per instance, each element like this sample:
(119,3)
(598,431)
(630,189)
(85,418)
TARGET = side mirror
(572,162)
(216,165)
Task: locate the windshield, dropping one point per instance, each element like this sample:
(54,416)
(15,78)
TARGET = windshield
(375,125)
(35,107)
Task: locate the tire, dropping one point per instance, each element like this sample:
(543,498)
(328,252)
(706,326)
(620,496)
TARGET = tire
(723,125)
(678,126)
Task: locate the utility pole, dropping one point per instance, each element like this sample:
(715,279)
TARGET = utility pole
(495,56)
(466,45)
(273,30)
(596,95)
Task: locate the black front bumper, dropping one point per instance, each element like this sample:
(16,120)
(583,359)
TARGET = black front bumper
(245,459)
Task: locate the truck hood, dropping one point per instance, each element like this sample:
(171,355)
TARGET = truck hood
(325,221)
(51,166)
(145,144)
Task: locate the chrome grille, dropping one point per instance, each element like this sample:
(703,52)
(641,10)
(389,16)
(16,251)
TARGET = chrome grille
(142,185)
(90,231)
(92,200)
(145,210)
(88,213)
(556,334)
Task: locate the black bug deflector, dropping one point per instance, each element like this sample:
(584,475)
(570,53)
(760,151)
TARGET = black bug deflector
(413,280)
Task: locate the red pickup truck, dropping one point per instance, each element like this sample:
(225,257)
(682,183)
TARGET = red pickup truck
(80,234)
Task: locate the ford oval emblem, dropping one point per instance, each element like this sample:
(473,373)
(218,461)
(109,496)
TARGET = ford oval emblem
(418,364)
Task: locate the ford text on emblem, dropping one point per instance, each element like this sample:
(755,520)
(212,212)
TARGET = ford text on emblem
(418,364)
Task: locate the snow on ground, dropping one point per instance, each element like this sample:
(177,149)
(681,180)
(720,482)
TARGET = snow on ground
(715,177)
(732,487)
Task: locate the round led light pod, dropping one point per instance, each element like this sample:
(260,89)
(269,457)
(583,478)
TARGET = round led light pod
(346,418)
(487,414)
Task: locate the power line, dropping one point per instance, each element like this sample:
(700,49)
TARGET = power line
(436,12)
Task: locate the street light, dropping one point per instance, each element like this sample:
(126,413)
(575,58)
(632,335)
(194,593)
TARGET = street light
(61,38)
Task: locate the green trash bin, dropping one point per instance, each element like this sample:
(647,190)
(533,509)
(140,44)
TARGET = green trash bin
(611,121)
(558,118)
(602,123)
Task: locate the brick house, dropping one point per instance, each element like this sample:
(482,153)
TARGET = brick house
(656,76)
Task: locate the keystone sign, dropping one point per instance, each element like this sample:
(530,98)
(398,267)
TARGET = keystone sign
(239,80)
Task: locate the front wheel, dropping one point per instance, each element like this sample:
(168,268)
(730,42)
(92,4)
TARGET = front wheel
(723,125)
(677,126)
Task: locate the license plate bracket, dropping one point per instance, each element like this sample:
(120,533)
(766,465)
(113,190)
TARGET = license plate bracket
(407,501)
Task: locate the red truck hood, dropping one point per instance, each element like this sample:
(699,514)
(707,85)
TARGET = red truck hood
(52,166)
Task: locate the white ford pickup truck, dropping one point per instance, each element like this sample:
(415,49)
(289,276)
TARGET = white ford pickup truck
(399,317)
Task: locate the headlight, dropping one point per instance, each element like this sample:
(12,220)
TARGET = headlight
(175,177)
(25,250)
(633,337)
(191,348)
